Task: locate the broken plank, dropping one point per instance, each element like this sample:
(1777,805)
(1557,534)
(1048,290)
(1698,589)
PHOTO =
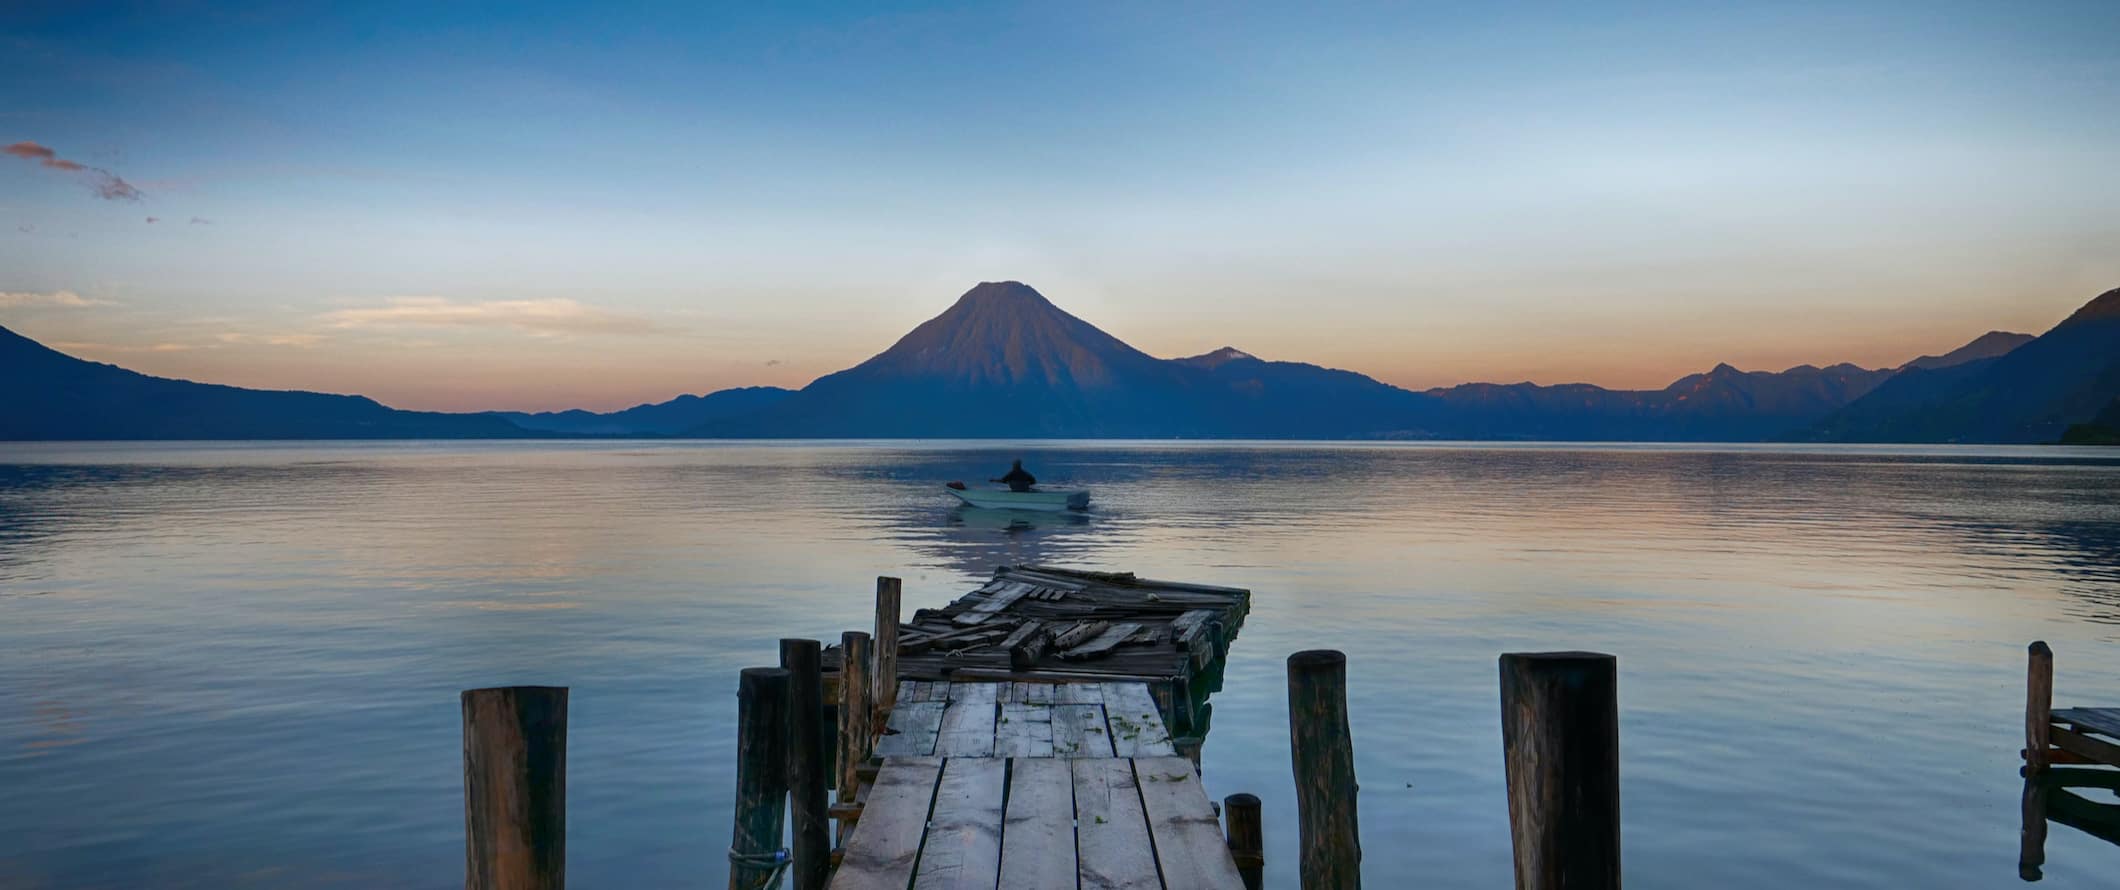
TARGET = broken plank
(1026,649)
(1111,833)
(1137,728)
(1079,731)
(1009,593)
(881,852)
(1103,644)
(1190,846)
(1079,633)
(911,729)
(1024,731)
(1038,837)
(963,848)
(1190,625)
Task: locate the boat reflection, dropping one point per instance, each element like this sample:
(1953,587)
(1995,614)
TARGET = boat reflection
(2048,798)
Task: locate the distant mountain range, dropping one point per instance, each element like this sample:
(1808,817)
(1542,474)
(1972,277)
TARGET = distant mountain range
(2030,394)
(1005,362)
(45,394)
(674,417)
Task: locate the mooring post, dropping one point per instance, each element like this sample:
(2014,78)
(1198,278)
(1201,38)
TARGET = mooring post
(887,590)
(1247,838)
(856,703)
(515,788)
(1323,752)
(755,856)
(2038,707)
(1560,753)
(806,765)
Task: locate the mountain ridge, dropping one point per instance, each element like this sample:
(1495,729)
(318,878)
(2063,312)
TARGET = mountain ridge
(1004,361)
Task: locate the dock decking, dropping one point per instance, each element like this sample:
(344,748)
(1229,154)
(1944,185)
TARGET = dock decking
(1033,785)
(1065,625)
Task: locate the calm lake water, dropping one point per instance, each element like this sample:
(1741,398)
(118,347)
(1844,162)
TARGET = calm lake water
(236,665)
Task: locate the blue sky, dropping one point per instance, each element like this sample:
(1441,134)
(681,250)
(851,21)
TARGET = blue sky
(543,205)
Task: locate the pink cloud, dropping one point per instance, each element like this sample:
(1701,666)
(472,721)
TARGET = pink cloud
(107,185)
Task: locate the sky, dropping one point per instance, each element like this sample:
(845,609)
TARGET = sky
(546,205)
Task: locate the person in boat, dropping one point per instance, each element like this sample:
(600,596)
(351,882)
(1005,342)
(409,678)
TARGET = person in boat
(1017,478)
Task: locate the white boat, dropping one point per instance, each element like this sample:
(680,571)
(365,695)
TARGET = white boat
(1004,499)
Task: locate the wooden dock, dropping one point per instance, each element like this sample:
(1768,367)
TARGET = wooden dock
(1032,785)
(1064,626)
(1043,731)
(2083,738)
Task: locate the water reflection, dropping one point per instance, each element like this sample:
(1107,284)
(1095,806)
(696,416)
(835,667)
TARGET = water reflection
(244,611)
(2048,798)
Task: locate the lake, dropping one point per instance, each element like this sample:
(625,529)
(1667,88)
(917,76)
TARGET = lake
(237,664)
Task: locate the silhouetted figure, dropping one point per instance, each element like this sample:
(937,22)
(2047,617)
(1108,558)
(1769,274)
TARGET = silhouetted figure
(1017,479)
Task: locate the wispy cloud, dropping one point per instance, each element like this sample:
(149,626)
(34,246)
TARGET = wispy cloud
(303,340)
(107,185)
(542,317)
(61,299)
(198,221)
(85,347)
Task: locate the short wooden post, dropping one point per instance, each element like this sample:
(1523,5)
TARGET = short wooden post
(2038,707)
(856,740)
(515,788)
(887,590)
(1560,752)
(1323,752)
(806,765)
(761,777)
(1247,838)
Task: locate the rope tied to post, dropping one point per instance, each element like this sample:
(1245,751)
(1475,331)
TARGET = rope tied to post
(777,861)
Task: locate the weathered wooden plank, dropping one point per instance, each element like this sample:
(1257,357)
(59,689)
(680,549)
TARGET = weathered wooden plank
(2098,750)
(2104,721)
(912,690)
(1103,644)
(881,852)
(1033,693)
(1079,694)
(1027,645)
(1024,731)
(911,730)
(968,721)
(1038,842)
(1111,833)
(1189,843)
(1137,728)
(1189,625)
(1078,633)
(1009,593)
(1079,731)
(963,848)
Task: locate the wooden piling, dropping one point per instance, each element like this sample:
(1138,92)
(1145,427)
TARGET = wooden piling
(812,849)
(886,640)
(515,788)
(1560,751)
(761,777)
(856,739)
(1323,754)
(1247,838)
(2038,707)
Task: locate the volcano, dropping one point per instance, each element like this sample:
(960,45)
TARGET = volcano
(1004,362)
